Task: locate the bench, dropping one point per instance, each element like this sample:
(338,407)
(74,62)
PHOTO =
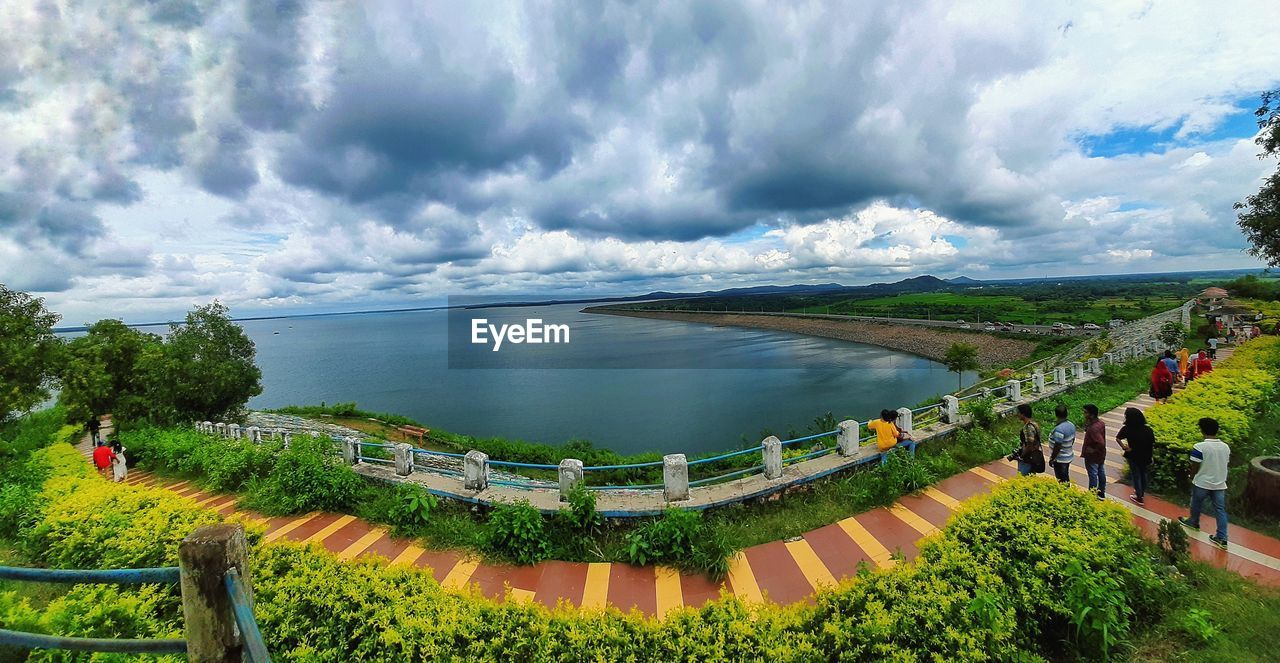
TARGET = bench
(408,431)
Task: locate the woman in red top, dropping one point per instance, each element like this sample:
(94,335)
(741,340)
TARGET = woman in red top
(1203,364)
(102,457)
(1161,381)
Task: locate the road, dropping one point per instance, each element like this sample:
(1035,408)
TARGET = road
(1041,330)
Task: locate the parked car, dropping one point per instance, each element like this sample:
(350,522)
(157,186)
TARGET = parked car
(1024,330)
(989,327)
(961,322)
(1059,325)
(1091,327)
(964,325)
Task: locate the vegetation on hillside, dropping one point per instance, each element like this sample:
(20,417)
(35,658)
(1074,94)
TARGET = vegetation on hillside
(1259,214)
(29,352)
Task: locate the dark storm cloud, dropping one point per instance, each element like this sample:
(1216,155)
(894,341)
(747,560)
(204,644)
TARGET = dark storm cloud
(268,83)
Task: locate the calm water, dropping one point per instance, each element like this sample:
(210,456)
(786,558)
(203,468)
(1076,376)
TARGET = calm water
(398,362)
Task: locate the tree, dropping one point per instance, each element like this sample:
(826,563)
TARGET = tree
(1259,214)
(104,372)
(29,352)
(1172,334)
(961,357)
(204,371)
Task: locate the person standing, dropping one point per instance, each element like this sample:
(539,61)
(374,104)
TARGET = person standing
(888,435)
(119,466)
(1094,450)
(1184,358)
(1161,381)
(1209,461)
(102,457)
(1138,441)
(1172,364)
(1213,347)
(1030,453)
(1063,441)
(95,428)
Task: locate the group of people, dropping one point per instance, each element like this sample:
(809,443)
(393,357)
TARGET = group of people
(1209,458)
(108,457)
(1180,367)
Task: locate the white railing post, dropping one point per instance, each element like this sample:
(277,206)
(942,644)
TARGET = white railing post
(475,467)
(570,476)
(847,437)
(771,449)
(233,431)
(288,438)
(1060,375)
(951,409)
(904,419)
(1095,366)
(1037,382)
(1109,358)
(675,478)
(221,428)
(1014,391)
(350,450)
(1077,371)
(404,459)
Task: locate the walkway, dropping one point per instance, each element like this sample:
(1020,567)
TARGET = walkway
(784,571)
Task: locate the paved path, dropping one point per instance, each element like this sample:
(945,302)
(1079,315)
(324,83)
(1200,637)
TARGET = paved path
(784,571)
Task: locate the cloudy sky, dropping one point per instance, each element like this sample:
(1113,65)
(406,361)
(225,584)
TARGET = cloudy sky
(342,155)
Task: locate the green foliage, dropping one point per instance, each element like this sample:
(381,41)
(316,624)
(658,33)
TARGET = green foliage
(413,505)
(307,476)
(97,611)
(981,412)
(104,372)
(1259,215)
(29,352)
(1173,542)
(581,517)
(961,357)
(680,538)
(1172,334)
(1198,623)
(516,531)
(206,371)
(1098,607)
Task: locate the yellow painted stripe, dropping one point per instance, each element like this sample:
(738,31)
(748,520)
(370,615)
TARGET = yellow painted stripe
(869,544)
(810,565)
(596,592)
(743,579)
(209,500)
(361,544)
(913,519)
(667,584)
(942,498)
(985,474)
(408,555)
(289,527)
(460,574)
(177,486)
(330,529)
(521,595)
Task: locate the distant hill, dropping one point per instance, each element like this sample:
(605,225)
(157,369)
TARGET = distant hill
(964,280)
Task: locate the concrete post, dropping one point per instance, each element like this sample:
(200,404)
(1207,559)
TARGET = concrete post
(847,437)
(221,428)
(234,431)
(675,478)
(288,437)
(1014,392)
(1060,375)
(206,427)
(951,409)
(275,433)
(771,448)
(475,470)
(203,560)
(1109,358)
(570,476)
(350,452)
(1037,382)
(404,459)
(1077,371)
(1095,366)
(904,419)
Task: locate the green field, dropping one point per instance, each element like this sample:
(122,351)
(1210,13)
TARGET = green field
(1074,308)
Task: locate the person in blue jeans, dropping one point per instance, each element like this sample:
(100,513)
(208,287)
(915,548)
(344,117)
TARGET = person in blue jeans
(1094,450)
(1209,461)
(1063,439)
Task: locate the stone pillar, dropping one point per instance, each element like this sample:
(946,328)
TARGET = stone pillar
(475,474)
(1014,391)
(288,437)
(350,450)
(205,558)
(221,428)
(1109,358)
(847,437)
(1077,371)
(1037,382)
(1060,375)
(275,433)
(234,431)
(675,477)
(251,433)
(771,448)
(951,409)
(904,419)
(570,476)
(986,393)
(404,459)
(1095,366)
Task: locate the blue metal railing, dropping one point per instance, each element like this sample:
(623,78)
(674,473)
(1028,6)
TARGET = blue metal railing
(806,438)
(255,649)
(532,466)
(727,475)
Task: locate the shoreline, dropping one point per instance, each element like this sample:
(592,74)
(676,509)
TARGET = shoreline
(926,342)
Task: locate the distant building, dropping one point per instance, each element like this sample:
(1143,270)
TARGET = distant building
(1213,297)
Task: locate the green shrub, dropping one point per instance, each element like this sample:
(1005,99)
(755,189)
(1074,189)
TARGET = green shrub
(97,611)
(516,531)
(981,412)
(1098,607)
(681,538)
(581,517)
(305,477)
(413,506)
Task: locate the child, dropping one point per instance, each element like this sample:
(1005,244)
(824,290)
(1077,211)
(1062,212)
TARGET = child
(119,467)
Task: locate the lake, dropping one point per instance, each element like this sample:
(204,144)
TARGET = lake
(660,385)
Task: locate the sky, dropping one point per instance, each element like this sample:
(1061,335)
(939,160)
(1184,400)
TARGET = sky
(323,156)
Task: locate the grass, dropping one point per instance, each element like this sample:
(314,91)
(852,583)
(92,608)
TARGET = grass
(1245,616)
(1012,308)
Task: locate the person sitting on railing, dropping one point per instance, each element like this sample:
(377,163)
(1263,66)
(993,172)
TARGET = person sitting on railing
(888,435)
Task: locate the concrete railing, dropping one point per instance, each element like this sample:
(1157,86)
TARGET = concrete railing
(472,473)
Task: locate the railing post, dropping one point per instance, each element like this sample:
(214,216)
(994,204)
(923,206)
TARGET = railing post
(350,450)
(288,438)
(203,559)
(1013,391)
(570,476)
(986,393)
(1037,382)
(1060,375)
(771,449)
(847,437)
(475,470)
(904,419)
(233,431)
(675,477)
(1095,366)
(221,428)
(1077,371)
(951,409)
(1109,358)
(404,459)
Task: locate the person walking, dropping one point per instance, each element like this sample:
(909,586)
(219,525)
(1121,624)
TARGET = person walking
(1030,452)
(1184,358)
(1213,347)
(102,458)
(888,435)
(1204,363)
(1209,460)
(119,464)
(95,428)
(1138,441)
(1063,444)
(1172,364)
(1161,381)
(1094,450)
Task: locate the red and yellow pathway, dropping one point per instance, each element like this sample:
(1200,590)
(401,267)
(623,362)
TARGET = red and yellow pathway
(782,571)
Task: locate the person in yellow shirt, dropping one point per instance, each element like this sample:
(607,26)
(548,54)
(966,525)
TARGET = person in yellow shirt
(1184,357)
(888,435)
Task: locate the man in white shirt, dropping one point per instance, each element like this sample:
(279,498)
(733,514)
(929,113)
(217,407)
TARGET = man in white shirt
(1213,347)
(1209,461)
